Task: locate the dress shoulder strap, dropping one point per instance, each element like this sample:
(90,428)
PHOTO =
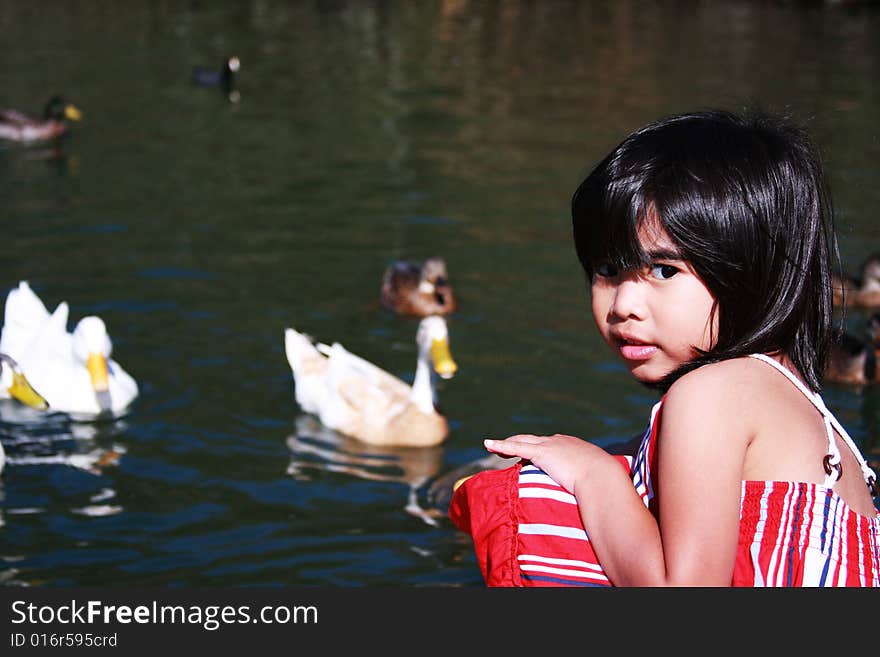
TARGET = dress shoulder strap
(832,460)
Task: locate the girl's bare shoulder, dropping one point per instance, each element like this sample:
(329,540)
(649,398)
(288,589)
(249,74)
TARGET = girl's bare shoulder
(709,415)
(723,389)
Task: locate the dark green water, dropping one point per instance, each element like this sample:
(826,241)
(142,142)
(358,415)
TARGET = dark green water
(199,229)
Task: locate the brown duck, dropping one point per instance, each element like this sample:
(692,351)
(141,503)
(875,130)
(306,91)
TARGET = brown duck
(418,290)
(853,360)
(864,292)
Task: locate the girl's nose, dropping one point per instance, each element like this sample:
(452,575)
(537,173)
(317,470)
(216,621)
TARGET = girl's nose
(629,298)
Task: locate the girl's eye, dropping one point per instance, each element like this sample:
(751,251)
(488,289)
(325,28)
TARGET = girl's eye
(663,272)
(606,270)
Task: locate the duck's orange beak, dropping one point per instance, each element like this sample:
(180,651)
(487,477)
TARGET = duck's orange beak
(23,392)
(72,112)
(97,366)
(444,365)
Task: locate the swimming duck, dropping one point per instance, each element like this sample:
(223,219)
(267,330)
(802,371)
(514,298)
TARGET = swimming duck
(863,292)
(853,360)
(16,386)
(73,371)
(359,399)
(418,289)
(17,126)
(224,77)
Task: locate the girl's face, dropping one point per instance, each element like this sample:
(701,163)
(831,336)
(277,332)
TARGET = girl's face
(653,317)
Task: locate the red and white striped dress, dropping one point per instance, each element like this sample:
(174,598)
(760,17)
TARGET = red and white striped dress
(527,530)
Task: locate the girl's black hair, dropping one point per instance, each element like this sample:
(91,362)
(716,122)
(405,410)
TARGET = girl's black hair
(745,201)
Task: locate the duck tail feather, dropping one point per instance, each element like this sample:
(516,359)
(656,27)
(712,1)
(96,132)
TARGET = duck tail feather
(297,346)
(24,317)
(24,308)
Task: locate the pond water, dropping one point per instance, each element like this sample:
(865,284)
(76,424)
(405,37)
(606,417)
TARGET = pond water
(200,228)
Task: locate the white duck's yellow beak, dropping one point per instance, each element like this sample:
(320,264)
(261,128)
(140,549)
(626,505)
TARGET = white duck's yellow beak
(97,366)
(444,365)
(72,112)
(24,392)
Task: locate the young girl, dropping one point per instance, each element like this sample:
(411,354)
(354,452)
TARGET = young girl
(707,241)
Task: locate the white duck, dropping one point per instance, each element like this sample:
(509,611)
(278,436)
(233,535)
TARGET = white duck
(15,385)
(73,371)
(357,398)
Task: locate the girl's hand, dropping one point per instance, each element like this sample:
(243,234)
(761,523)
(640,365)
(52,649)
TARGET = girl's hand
(564,458)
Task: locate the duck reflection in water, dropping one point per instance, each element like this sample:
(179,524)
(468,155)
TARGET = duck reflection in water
(30,437)
(317,448)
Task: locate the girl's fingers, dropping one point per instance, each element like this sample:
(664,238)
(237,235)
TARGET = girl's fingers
(524,438)
(523,446)
(506,448)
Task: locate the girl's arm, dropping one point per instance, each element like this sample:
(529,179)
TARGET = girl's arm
(708,422)
(704,433)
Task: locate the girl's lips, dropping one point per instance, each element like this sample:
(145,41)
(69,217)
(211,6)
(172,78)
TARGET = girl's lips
(637,351)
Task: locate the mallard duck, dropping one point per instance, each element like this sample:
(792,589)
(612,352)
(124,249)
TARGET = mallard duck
(862,292)
(73,371)
(853,360)
(359,399)
(223,78)
(17,126)
(418,289)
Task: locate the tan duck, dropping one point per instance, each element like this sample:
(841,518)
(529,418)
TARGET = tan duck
(418,290)
(20,127)
(864,292)
(853,360)
(361,400)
